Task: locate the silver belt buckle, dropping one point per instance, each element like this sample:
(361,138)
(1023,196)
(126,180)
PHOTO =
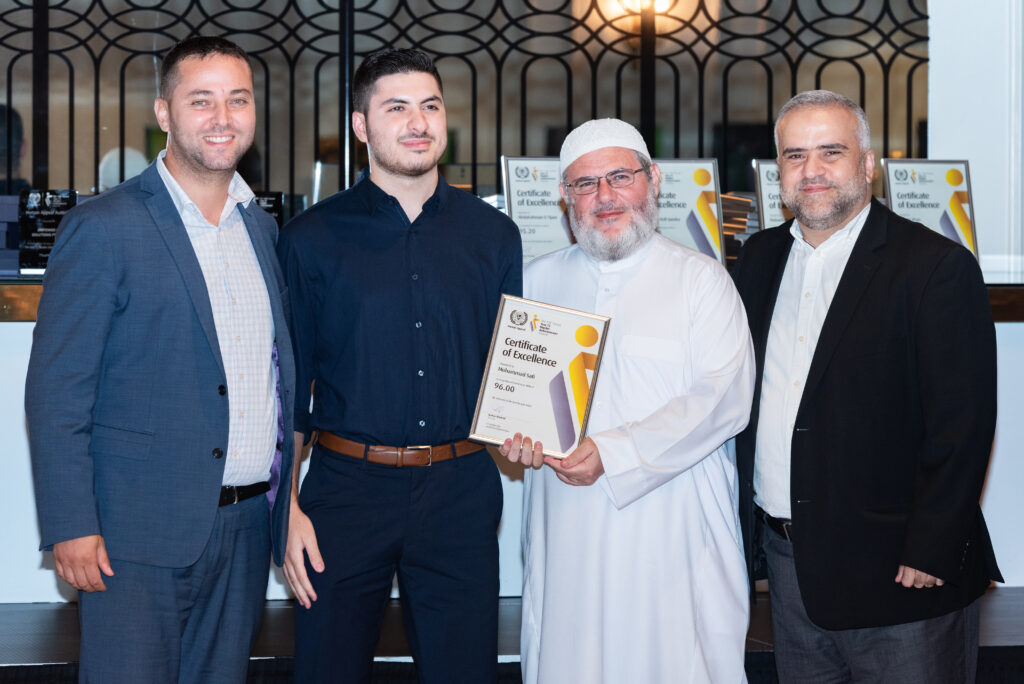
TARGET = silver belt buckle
(430,451)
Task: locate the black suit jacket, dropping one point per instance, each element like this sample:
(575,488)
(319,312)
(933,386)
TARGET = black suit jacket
(894,428)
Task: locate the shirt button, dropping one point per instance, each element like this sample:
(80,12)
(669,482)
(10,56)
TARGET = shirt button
(801,338)
(796,383)
(423,423)
(222,390)
(419,373)
(807,295)
(415,276)
(419,324)
(217,453)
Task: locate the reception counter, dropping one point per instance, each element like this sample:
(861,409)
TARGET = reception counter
(1007,302)
(29,574)
(19,299)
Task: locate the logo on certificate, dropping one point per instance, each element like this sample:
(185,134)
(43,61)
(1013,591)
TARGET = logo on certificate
(566,423)
(518,317)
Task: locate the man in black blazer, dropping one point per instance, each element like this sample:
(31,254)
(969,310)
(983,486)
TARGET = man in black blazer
(873,415)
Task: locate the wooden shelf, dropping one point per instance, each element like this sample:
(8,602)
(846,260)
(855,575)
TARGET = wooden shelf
(1007,302)
(18,301)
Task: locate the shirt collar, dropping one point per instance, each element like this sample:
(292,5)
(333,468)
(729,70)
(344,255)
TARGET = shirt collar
(373,196)
(845,235)
(238,190)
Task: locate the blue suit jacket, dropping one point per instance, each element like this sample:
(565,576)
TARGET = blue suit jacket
(125,392)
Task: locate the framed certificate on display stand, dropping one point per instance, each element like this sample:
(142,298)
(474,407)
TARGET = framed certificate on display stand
(771,211)
(540,375)
(690,206)
(936,193)
(39,214)
(533,202)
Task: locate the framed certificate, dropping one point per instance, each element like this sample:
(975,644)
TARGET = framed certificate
(935,193)
(39,214)
(540,375)
(532,201)
(771,211)
(690,206)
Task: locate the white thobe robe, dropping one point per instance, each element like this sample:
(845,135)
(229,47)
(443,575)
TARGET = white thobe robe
(640,577)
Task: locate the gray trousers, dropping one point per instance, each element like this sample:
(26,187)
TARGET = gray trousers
(942,650)
(193,625)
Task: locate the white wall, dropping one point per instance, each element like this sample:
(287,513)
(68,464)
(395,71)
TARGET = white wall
(975,74)
(1001,501)
(28,574)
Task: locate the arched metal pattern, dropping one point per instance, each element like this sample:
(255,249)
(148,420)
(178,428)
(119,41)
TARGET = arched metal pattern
(81,72)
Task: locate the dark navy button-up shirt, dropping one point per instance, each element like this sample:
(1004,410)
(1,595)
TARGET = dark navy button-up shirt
(392,320)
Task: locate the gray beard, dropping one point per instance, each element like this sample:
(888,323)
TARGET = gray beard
(594,244)
(849,196)
(843,206)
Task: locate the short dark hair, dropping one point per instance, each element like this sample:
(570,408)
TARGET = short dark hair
(385,63)
(196,46)
(10,123)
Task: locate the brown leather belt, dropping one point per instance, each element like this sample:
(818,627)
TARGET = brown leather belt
(397,456)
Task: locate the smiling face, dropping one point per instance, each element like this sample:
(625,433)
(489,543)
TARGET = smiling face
(825,175)
(404,126)
(612,223)
(209,117)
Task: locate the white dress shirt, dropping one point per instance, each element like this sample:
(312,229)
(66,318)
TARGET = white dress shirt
(245,327)
(805,293)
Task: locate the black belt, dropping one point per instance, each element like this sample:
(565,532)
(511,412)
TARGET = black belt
(780,526)
(229,494)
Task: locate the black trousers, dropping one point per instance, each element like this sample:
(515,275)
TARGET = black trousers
(436,527)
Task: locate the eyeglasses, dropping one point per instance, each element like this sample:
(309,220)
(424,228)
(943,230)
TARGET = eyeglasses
(619,178)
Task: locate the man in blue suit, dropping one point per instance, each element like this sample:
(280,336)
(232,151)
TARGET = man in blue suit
(160,385)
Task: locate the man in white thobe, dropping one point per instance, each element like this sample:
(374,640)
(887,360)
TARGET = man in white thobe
(634,565)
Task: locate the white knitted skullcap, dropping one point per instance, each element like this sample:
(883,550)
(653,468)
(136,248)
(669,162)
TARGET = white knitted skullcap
(598,133)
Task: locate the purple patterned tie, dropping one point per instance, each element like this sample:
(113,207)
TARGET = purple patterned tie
(275,466)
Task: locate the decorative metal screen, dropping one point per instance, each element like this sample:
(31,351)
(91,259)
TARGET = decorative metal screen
(517,75)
